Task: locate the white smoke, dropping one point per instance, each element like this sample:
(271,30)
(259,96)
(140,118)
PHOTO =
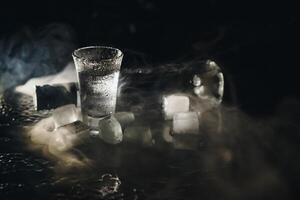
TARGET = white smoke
(58,144)
(32,53)
(67,75)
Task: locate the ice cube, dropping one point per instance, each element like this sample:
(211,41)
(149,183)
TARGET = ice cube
(186,123)
(174,104)
(65,115)
(110,130)
(138,134)
(124,118)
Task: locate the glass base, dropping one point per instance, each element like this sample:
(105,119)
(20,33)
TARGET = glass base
(93,123)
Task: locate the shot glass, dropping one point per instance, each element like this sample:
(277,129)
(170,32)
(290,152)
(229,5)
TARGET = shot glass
(98,69)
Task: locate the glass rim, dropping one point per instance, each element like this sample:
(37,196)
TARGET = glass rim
(117,56)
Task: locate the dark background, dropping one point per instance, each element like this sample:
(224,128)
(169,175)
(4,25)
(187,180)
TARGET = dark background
(255,42)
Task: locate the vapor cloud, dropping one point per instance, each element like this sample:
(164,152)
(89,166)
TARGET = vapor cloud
(32,53)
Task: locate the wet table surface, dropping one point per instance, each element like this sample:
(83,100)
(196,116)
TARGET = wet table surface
(248,159)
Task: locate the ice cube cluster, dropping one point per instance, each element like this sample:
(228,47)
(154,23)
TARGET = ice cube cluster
(181,127)
(60,131)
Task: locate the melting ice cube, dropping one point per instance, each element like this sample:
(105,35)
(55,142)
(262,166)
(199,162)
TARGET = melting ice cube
(174,104)
(65,115)
(138,134)
(124,118)
(186,123)
(110,130)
